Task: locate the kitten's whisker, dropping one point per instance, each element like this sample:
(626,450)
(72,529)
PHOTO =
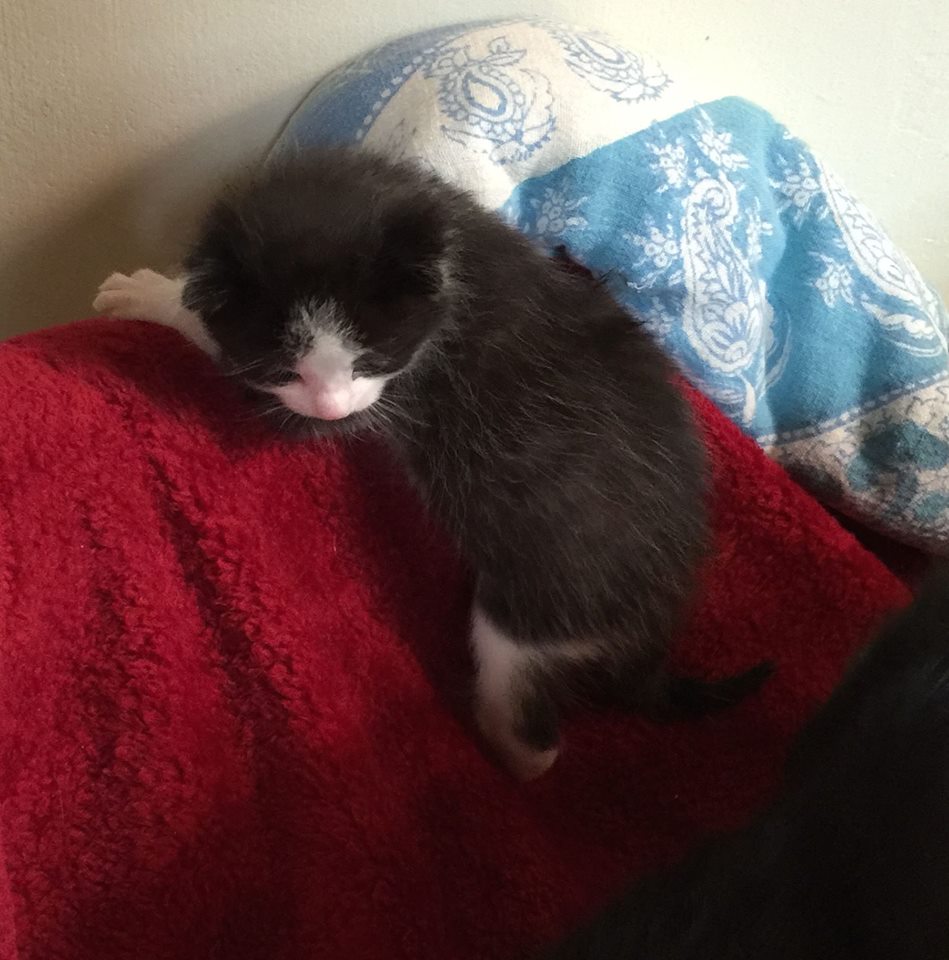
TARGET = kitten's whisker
(237,370)
(269,412)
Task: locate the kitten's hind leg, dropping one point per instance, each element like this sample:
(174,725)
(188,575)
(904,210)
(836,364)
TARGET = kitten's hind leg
(515,714)
(151,296)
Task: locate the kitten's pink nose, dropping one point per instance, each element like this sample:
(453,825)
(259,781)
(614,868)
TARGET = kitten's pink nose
(331,404)
(328,393)
(315,399)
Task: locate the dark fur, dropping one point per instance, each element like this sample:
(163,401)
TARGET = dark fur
(539,421)
(852,861)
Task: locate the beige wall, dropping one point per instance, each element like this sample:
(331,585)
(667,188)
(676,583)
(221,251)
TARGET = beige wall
(118,116)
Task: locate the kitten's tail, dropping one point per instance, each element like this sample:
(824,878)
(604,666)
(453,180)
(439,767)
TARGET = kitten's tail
(668,696)
(686,698)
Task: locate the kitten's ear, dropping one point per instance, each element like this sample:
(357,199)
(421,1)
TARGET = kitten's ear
(414,250)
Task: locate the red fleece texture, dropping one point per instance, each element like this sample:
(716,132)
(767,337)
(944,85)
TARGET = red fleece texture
(233,681)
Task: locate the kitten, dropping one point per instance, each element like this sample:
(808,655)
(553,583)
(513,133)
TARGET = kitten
(537,419)
(852,860)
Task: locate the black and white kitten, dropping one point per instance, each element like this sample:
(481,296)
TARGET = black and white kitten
(538,420)
(851,862)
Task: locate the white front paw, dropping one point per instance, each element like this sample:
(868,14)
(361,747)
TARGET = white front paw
(145,295)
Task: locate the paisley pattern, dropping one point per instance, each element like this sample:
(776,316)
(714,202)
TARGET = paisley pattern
(608,67)
(556,210)
(917,325)
(490,103)
(692,265)
(890,464)
(773,288)
(725,311)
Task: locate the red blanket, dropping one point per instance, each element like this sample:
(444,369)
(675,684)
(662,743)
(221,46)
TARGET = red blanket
(232,683)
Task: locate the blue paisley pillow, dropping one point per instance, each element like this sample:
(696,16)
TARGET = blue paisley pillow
(774,289)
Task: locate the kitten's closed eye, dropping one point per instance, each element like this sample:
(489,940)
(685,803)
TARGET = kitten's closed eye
(261,374)
(370,364)
(280,378)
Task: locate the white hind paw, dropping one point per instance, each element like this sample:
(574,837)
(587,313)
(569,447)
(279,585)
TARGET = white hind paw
(522,761)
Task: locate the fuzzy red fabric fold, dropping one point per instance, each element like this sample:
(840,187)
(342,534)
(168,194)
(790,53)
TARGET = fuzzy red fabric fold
(233,685)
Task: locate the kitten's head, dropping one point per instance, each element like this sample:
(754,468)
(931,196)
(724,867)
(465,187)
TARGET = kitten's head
(324,279)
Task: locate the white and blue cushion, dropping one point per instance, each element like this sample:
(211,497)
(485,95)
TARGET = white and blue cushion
(778,294)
